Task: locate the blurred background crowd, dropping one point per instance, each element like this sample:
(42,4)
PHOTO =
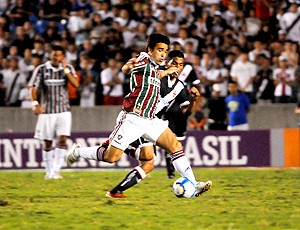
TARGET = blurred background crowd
(255,42)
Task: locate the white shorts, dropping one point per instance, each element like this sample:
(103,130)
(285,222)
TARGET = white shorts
(130,127)
(49,126)
(238,127)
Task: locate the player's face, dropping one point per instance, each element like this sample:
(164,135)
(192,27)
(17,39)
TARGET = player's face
(159,53)
(178,62)
(56,57)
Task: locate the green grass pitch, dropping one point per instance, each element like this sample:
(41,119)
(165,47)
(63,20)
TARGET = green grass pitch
(239,199)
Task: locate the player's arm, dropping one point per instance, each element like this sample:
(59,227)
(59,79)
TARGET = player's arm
(128,66)
(195,95)
(70,73)
(33,92)
(170,71)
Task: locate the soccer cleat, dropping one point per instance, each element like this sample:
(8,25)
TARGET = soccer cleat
(70,158)
(115,195)
(48,177)
(203,187)
(57,176)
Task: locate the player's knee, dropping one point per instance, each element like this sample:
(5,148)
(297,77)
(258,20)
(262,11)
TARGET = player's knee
(112,155)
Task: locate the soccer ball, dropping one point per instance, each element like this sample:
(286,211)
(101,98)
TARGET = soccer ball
(184,188)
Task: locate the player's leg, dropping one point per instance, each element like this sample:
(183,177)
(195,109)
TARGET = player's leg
(48,159)
(169,165)
(59,156)
(124,133)
(137,174)
(44,131)
(167,140)
(62,123)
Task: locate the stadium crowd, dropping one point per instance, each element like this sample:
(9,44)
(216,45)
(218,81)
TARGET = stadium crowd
(254,42)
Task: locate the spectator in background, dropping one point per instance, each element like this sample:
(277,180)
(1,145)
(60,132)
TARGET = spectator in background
(217,74)
(252,25)
(290,22)
(25,64)
(71,53)
(38,48)
(19,12)
(297,91)
(112,80)
(284,78)
(24,96)
(243,73)
(78,25)
(87,92)
(264,80)
(14,80)
(217,116)
(238,105)
(2,91)
(291,53)
(53,10)
(263,9)
(22,41)
(258,48)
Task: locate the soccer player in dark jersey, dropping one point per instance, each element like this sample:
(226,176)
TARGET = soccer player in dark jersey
(137,119)
(50,102)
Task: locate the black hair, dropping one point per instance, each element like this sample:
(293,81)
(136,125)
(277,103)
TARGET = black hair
(175,53)
(154,39)
(231,81)
(58,48)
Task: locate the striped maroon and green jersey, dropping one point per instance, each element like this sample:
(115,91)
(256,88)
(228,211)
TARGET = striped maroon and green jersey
(51,84)
(145,89)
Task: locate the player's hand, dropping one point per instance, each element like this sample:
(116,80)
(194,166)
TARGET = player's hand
(297,110)
(194,93)
(174,71)
(127,68)
(38,109)
(64,62)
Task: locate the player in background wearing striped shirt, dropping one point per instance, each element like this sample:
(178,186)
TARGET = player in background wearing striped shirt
(50,101)
(137,119)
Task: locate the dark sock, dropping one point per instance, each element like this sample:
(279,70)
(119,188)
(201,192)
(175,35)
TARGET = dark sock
(130,180)
(170,167)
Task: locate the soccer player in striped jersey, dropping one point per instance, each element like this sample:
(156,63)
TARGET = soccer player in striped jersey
(137,119)
(50,101)
(175,105)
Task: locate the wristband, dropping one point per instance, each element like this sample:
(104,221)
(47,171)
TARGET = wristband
(67,70)
(34,103)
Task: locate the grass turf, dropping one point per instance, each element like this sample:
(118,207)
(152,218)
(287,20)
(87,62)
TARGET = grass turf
(239,199)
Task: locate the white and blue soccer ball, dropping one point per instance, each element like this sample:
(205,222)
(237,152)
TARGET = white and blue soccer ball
(184,188)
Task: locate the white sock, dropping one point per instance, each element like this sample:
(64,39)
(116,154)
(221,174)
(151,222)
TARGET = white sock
(89,153)
(48,158)
(182,165)
(141,173)
(59,159)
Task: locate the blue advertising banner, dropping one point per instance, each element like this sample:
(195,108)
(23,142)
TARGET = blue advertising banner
(203,149)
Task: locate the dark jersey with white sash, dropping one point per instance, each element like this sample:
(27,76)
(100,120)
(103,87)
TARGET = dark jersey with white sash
(188,76)
(174,95)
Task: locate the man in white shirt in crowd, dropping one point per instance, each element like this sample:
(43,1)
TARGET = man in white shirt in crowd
(243,72)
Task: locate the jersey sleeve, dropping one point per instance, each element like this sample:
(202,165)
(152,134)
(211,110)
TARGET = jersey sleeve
(35,79)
